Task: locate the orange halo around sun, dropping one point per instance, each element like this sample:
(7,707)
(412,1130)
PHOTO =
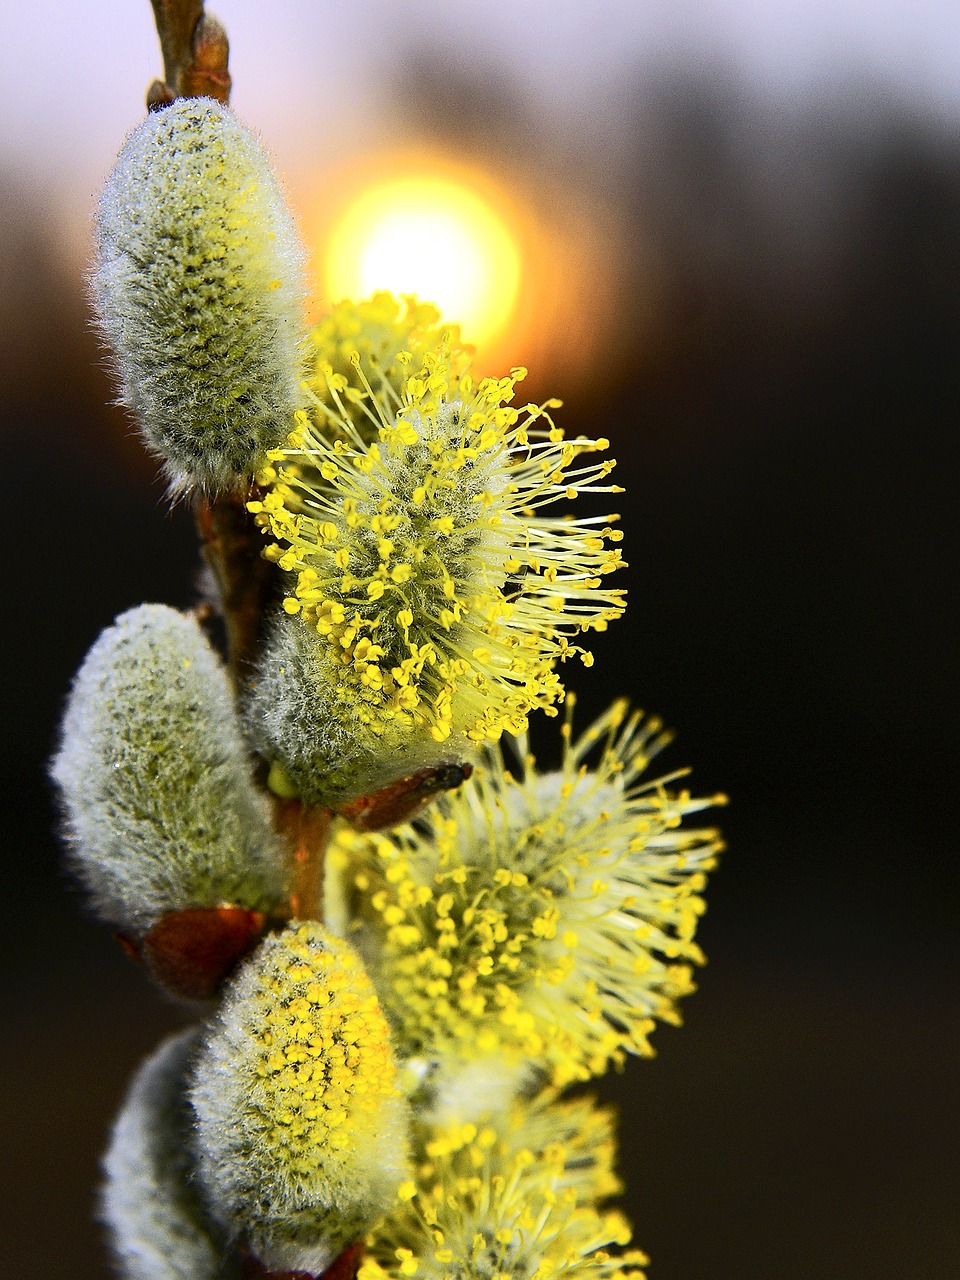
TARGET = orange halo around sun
(532,281)
(432,236)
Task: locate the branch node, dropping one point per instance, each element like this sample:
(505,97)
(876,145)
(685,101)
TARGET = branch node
(195,54)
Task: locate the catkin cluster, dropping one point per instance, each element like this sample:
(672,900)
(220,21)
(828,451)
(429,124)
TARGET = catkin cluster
(405,939)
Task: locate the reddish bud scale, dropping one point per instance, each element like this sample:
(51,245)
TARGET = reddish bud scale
(191,952)
(342,1268)
(400,800)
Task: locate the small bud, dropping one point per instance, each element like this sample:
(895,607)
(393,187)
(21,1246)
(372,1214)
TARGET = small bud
(198,286)
(159,95)
(207,76)
(162,814)
(157,1225)
(401,800)
(302,1134)
(191,952)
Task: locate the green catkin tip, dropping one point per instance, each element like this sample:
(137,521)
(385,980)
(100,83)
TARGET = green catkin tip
(301,1130)
(161,810)
(198,286)
(158,1228)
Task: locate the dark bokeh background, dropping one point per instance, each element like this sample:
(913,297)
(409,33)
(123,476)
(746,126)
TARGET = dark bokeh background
(786,438)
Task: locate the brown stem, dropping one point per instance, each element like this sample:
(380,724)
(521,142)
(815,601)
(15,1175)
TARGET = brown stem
(247,583)
(308,830)
(195,54)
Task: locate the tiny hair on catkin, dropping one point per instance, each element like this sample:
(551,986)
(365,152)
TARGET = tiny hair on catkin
(198,287)
(161,810)
(158,1227)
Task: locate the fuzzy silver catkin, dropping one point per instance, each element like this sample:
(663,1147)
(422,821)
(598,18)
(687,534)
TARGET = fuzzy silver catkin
(158,1228)
(198,285)
(161,810)
(302,1134)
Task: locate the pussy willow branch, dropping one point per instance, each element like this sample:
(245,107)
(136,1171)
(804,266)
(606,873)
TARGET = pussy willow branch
(247,583)
(195,55)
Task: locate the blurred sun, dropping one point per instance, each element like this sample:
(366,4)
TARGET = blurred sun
(434,237)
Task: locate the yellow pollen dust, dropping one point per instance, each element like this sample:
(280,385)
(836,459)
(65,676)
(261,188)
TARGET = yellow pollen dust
(434,237)
(323,1049)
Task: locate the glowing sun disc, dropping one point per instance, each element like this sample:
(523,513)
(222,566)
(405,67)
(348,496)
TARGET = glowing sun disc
(432,237)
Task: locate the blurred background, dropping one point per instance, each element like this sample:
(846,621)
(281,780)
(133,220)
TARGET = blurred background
(727,233)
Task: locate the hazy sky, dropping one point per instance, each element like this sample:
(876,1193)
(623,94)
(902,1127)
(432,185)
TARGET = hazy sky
(307,71)
(71,71)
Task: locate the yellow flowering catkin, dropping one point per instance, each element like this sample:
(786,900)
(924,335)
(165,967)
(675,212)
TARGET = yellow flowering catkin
(301,1132)
(197,282)
(392,337)
(431,599)
(515,1196)
(551,918)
